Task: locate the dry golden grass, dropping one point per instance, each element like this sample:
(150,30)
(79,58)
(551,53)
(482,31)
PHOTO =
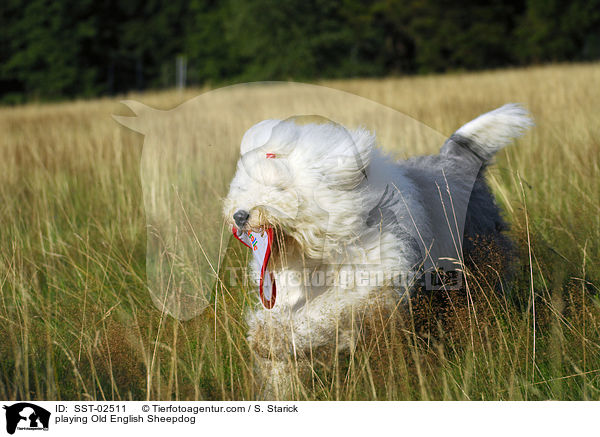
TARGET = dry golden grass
(78,323)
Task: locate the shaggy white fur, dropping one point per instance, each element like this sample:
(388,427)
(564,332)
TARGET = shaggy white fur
(351,222)
(496,129)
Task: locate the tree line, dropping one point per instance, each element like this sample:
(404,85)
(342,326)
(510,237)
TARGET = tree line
(55,49)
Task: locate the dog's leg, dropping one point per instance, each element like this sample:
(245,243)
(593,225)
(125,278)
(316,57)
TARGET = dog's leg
(276,378)
(274,365)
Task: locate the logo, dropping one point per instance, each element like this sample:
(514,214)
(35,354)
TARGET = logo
(441,279)
(174,179)
(26,417)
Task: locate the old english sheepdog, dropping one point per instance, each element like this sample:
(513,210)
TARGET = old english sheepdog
(337,226)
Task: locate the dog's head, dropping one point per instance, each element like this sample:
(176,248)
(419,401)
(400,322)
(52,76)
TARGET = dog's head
(301,176)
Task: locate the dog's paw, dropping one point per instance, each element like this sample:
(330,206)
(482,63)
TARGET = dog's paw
(275,378)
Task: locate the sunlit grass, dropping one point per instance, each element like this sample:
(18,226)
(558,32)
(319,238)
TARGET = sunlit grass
(78,323)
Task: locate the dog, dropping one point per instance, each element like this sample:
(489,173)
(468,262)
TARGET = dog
(343,213)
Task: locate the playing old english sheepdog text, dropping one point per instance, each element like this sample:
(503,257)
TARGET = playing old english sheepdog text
(335,225)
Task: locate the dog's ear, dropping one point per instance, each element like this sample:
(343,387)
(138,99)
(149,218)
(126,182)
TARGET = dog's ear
(364,142)
(345,166)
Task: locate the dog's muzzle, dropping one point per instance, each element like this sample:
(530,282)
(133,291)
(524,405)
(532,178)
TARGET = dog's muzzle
(240,218)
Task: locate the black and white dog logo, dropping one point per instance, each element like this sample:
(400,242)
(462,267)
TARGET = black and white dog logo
(26,416)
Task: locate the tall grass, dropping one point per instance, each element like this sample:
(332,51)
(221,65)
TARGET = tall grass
(77,321)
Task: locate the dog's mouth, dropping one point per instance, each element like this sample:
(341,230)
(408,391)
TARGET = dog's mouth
(281,244)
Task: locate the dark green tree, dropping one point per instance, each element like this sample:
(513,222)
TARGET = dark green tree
(66,48)
(555,30)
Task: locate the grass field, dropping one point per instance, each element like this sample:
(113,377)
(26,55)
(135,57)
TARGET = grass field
(77,322)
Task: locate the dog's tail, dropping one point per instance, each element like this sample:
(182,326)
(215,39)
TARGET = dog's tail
(488,133)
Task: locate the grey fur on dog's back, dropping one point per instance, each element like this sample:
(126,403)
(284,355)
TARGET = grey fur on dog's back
(458,171)
(483,217)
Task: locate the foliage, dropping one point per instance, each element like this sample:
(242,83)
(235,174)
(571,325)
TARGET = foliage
(67,48)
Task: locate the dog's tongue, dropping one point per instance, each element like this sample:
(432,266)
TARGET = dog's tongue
(261,244)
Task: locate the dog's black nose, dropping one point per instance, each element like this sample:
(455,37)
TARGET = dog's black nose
(240,218)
